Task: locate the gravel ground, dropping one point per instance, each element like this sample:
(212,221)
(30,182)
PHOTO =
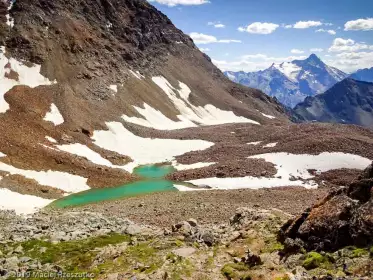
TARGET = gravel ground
(165,209)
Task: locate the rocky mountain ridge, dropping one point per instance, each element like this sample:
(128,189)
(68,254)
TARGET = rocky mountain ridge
(349,102)
(365,75)
(291,82)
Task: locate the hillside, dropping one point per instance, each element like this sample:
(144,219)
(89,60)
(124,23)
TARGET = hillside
(349,102)
(291,82)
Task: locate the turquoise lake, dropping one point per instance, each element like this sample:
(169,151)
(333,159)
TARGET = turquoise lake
(153,182)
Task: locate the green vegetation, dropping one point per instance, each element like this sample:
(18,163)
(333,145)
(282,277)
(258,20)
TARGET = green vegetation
(359,252)
(315,260)
(236,271)
(180,267)
(285,277)
(76,253)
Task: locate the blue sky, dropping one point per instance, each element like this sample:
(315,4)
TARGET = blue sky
(277,30)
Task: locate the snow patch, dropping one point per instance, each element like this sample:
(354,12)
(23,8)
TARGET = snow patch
(268,116)
(61,180)
(84,151)
(155,119)
(190,115)
(9,19)
(50,139)
(54,115)
(28,76)
(289,69)
(270,145)
(289,166)
(197,165)
(137,74)
(144,150)
(254,143)
(182,188)
(21,203)
(2,155)
(114,88)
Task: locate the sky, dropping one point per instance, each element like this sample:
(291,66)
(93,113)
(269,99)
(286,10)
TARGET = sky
(250,35)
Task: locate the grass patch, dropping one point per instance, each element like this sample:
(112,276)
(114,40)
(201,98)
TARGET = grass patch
(78,253)
(315,260)
(236,271)
(359,252)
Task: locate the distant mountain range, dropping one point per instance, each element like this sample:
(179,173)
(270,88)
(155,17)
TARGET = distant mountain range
(349,102)
(365,75)
(291,82)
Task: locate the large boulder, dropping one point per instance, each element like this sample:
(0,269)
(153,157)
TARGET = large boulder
(343,218)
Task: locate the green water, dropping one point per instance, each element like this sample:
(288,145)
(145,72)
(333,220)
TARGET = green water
(153,171)
(153,182)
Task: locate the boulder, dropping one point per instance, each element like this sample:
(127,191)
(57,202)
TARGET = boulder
(184,252)
(344,217)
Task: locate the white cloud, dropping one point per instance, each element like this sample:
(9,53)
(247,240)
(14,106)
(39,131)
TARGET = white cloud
(204,49)
(316,50)
(352,61)
(200,38)
(216,24)
(348,45)
(287,26)
(173,3)
(306,24)
(259,28)
(296,51)
(359,24)
(252,62)
(330,31)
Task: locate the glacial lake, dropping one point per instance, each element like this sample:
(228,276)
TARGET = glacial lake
(153,181)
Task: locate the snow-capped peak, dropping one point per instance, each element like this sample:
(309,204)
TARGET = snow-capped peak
(289,69)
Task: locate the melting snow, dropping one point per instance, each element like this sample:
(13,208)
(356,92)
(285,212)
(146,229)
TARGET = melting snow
(268,116)
(29,76)
(61,180)
(270,145)
(50,139)
(289,166)
(54,115)
(190,115)
(114,88)
(137,75)
(254,143)
(21,203)
(144,150)
(9,19)
(197,165)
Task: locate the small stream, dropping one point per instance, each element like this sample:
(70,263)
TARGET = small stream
(153,181)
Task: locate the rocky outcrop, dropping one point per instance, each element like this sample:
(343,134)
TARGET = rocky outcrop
(343,218)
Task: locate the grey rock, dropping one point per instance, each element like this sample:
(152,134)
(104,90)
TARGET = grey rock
(184,252)
(133,229)
(208,238)
(192,222)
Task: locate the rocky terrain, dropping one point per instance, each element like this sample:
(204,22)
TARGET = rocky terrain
(90,90)
(344,217)
(349,101)
(86,245)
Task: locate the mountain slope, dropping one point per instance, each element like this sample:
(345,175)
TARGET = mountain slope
(291,82)
(365,75)
(91,89)
(349,101)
